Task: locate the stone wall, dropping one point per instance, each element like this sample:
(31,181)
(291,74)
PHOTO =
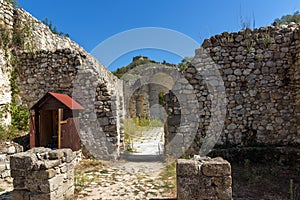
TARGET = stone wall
(6,150)
(203,178)
(6,17)
(259,70)
(47,62)
(145,102)
(42,173)
(143,86)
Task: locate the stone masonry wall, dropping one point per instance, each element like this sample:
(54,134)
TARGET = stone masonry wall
(47,62)
(203,178)
(260,72)
(6,150)
(5,90)
(42,173)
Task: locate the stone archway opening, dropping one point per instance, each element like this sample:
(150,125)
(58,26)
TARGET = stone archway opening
(147,115)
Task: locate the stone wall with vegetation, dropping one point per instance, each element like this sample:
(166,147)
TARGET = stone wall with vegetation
(260,70)
(39,61)
(204,178)
(42,173)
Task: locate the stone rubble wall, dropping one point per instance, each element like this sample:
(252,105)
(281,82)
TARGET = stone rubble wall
(5,89)
(142,91)
(6,150)
(6,18)
(47,62)
(204,178)
(42,173)
(260,71)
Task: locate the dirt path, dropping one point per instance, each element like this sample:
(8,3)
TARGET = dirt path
(127,180)
(134,179)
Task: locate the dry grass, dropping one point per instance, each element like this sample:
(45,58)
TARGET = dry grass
(83,171)
(168,176)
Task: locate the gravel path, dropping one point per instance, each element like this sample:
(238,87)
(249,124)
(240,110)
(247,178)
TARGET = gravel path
(127,180)
(133,180)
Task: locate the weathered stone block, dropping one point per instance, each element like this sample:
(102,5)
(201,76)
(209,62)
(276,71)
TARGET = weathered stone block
(203,178)
(18,173)
(20,195)
(19,183)
(44,174)
(69,156)
(187,167)
(50,178)
(47,164)
(55,154)
(23,161)
(216,167)
(222,181)
(224,193)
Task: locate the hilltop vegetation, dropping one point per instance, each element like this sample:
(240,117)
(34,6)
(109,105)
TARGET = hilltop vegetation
(142,60)
(287,19)
(137,61)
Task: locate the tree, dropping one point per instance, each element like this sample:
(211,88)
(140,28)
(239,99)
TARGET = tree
(287,19)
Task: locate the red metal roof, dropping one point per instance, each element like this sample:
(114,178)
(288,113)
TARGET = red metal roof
(67,101)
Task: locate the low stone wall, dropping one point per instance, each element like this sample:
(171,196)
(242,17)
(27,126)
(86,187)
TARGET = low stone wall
(204,178)
(42,173)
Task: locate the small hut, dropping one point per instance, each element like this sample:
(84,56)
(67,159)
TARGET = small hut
(54,122)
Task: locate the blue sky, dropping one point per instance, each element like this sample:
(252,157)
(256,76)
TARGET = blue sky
(91,22)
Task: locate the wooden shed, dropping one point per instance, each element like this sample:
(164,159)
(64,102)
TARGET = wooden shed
(54,122)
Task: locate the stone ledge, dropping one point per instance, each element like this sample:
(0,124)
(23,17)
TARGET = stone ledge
(204,178)
(42,173)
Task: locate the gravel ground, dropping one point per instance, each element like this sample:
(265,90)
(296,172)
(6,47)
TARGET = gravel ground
(126,180)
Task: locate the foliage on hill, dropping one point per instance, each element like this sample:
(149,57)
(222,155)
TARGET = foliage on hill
(287,19)
(137,61)
(141,60)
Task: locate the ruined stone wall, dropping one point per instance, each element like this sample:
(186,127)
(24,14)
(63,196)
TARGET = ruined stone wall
(6,18)
(6,150)
(42,173)
(139,105)
(143,85)
(47,62)
(204,178)
(260,72)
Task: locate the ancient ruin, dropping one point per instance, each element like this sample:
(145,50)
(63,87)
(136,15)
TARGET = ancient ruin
(42,173)
(204,178)
(246,85)
(259,69)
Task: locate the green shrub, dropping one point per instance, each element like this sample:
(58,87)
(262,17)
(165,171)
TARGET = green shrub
(8,132)
(20,117)
(19,113)
(286,19)
(54,28)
